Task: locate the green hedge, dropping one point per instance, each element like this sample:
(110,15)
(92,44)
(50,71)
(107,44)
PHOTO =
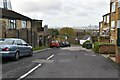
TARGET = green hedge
(96,47)
(98,44)
(40,48)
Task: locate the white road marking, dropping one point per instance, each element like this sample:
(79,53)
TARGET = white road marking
(50,57)
(39,65)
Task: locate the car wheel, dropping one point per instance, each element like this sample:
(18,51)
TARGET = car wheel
(30,53)
(16,58)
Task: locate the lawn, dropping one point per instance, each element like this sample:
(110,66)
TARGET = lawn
(40,48)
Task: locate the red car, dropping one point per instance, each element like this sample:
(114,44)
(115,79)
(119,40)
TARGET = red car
(54,44)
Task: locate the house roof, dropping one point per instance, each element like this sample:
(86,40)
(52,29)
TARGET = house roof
(106,14)
(13,15)
(37,20)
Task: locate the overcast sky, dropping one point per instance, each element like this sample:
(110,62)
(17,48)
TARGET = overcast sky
(63,12)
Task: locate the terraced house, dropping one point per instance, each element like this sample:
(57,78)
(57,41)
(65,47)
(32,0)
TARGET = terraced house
(16,25)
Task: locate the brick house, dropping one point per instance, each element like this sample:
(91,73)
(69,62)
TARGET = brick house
(16,25)
(115,26)
(38,30)
(104,29)
(111,22)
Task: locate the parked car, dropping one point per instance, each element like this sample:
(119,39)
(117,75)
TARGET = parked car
(54,44)
(62,44)
(67,44)
(14,48)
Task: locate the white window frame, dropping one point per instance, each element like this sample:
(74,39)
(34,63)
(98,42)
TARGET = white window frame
(24,24)
(12,24)
(112,24)
(113,7)
(118,24)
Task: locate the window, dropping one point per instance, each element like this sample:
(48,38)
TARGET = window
(113,24)
(24,25)
(118,24)
(119,4)
(113,7)
(12,24)
(104,18)
(19,42)
(108,19)
(23,42)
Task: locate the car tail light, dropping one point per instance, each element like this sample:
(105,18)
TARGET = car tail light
(5,49)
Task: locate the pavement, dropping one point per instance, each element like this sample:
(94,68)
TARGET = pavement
(104,55)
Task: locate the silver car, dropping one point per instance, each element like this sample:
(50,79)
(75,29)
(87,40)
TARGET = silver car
(14,48)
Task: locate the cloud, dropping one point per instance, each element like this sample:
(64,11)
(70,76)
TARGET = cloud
(63,12)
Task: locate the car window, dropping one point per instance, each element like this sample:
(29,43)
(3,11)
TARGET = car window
(23,42)
(8,42)
(19,42)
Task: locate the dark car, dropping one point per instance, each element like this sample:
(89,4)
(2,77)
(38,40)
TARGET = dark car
(14,48)
(67,44)
(62,44)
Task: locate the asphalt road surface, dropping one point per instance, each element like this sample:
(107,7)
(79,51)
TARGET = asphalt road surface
(73,62)
(14,69)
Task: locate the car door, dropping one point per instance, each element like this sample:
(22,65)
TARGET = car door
(20,47)
(26,47)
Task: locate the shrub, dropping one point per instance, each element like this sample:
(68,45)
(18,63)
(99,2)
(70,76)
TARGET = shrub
(96,47)
(84,44)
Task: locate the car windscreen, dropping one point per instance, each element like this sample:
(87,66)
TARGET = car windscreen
(7,42)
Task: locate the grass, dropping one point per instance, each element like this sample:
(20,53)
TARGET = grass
(40,48)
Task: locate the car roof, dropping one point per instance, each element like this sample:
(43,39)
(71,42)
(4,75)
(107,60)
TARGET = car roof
(11,38)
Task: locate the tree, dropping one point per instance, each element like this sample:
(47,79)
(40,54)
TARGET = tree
(67,31)
(54,32)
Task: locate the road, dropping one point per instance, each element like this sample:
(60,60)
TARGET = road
(73,62)
(14,69)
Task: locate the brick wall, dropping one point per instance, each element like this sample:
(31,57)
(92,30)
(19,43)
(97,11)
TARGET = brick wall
(19,24)
(28,24)
(103,39)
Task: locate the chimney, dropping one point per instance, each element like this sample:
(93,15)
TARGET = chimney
(7,4)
